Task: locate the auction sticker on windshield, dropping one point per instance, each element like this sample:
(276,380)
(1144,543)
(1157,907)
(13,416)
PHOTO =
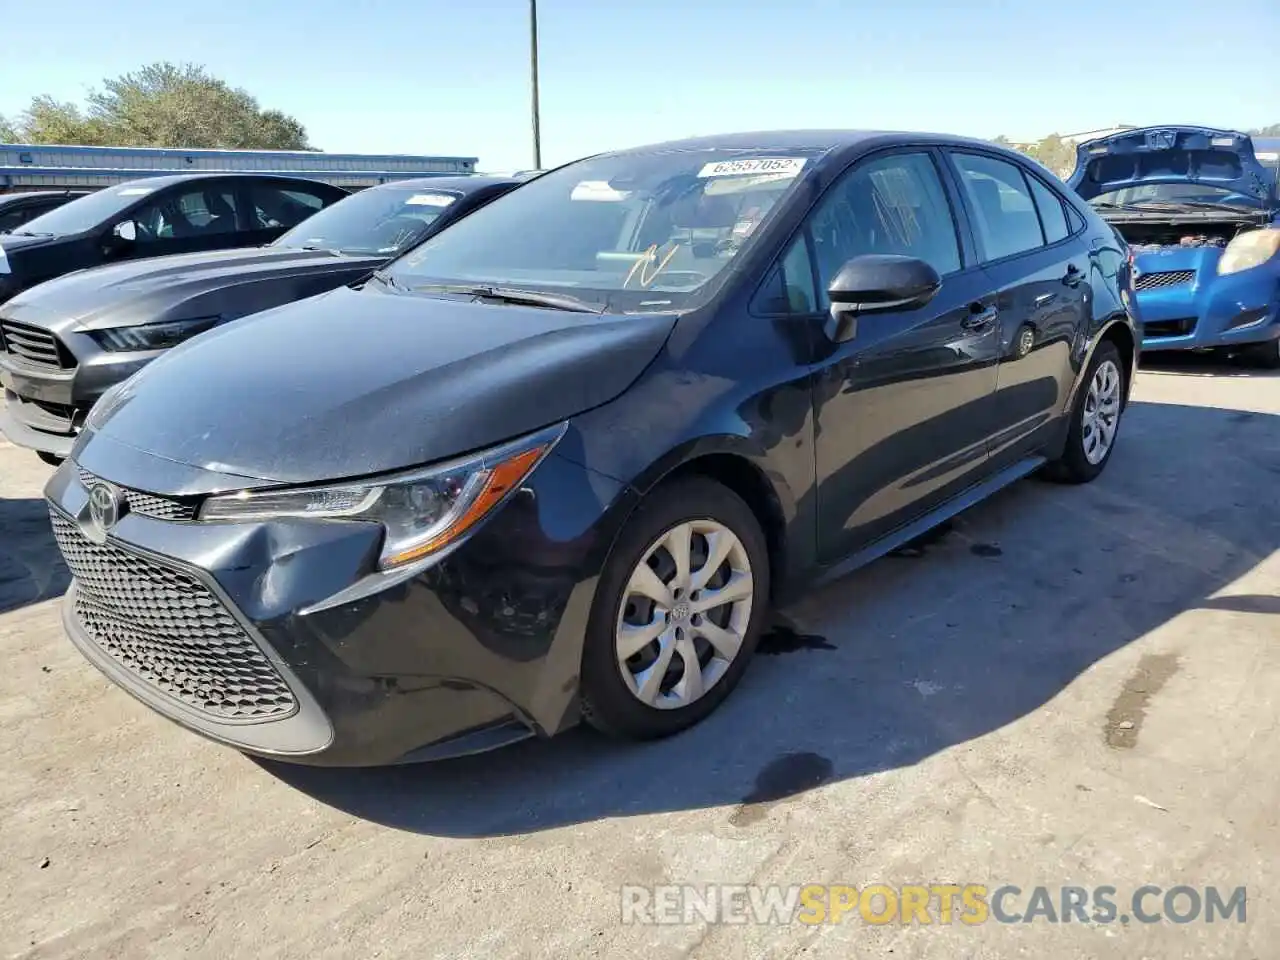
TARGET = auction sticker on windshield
(430,200)
(790,166)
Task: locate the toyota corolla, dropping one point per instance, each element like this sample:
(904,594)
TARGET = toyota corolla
(557,462)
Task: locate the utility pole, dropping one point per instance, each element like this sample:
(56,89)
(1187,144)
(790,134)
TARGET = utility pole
(533,71)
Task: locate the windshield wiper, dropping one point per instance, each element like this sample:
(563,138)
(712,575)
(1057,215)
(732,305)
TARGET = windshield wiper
(28,233)
(526,298)
(387,280)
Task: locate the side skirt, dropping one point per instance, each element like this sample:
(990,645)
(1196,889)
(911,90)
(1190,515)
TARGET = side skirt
(905,534)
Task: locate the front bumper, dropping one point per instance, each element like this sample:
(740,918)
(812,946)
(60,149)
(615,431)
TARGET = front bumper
(45,405)
(224,629)
(1214,312)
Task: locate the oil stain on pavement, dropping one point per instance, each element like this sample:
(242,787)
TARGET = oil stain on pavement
(1124,719)
(785,777)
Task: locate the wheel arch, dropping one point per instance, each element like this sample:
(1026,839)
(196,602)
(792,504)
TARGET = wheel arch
(738,465)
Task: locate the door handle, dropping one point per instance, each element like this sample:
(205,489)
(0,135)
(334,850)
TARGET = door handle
(979,317)
(1073,275)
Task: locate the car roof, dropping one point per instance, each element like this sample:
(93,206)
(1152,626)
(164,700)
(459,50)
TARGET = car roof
(169,179)
(28,194)
(460,184)
(825,140)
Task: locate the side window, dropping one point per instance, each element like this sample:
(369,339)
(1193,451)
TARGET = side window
(12,219)
(789,287)
(892,204)
(1053,215)
(1002,205)
(197,212)
(274,208)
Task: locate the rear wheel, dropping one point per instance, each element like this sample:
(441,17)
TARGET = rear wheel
(49,458)
(1095,419)
(678,612)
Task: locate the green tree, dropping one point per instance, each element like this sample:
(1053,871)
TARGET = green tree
(8,132)
(1271,131)
(164,105)
(1055,154)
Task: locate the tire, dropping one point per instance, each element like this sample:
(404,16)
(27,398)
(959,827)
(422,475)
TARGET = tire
(1264,355)
(612,701)
(1075,465)
(49,458)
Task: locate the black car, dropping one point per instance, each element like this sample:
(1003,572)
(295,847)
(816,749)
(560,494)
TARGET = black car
(19,208)
(557,462)
(99,326)
(156,216)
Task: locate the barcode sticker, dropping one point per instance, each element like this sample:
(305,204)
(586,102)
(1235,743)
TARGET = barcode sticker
(430,200)
(787,166)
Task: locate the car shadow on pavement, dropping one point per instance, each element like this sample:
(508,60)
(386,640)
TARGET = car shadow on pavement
(915,654)
(1188,364)
(31,569)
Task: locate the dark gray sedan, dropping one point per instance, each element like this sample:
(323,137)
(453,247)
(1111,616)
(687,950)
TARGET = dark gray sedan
(64,342)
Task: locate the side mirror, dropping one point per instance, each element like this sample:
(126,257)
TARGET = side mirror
(124,233)
(875,282)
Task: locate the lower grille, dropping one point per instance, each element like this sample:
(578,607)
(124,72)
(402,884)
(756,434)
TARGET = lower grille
(32,345)
(171,631)
(1166,278)
(1169,328)
(149,504)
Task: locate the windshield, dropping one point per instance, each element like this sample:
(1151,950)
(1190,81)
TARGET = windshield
(1158,194)
(632,232)
(87,212)
(379,220)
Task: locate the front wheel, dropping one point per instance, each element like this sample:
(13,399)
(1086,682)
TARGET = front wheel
(1095,419)
(678,612)
(1265,355)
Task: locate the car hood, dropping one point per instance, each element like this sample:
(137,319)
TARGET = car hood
(11,244)
(225,283)
(352,383)
(1154,155)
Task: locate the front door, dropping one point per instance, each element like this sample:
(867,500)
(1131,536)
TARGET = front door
(187,218)
(903,408)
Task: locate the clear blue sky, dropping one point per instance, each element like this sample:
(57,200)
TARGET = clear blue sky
(427,76)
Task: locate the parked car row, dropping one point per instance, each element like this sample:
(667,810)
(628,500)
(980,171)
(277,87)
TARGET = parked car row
(556,459)
(71,338)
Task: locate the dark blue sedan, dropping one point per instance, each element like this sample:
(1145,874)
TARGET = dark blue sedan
(557,462)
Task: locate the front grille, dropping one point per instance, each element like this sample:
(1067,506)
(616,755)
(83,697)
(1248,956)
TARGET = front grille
(1167,278)
(33,345)
(171,631)
(149,504)
(1169,328)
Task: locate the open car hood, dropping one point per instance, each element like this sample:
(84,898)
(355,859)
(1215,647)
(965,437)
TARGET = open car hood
(1154,155)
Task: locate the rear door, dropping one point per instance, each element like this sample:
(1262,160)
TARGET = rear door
(272,208)
(1031,249)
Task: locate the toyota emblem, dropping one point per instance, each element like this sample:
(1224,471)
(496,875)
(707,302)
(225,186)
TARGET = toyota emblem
(104,511)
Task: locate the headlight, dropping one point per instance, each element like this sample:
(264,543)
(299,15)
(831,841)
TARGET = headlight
(4,262)
(1249,250)
(152,336)
(421,512)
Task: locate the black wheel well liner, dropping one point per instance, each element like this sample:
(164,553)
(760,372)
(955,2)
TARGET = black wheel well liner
(748,481)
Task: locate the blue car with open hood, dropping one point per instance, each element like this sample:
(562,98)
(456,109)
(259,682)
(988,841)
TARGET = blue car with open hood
(1200,214)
